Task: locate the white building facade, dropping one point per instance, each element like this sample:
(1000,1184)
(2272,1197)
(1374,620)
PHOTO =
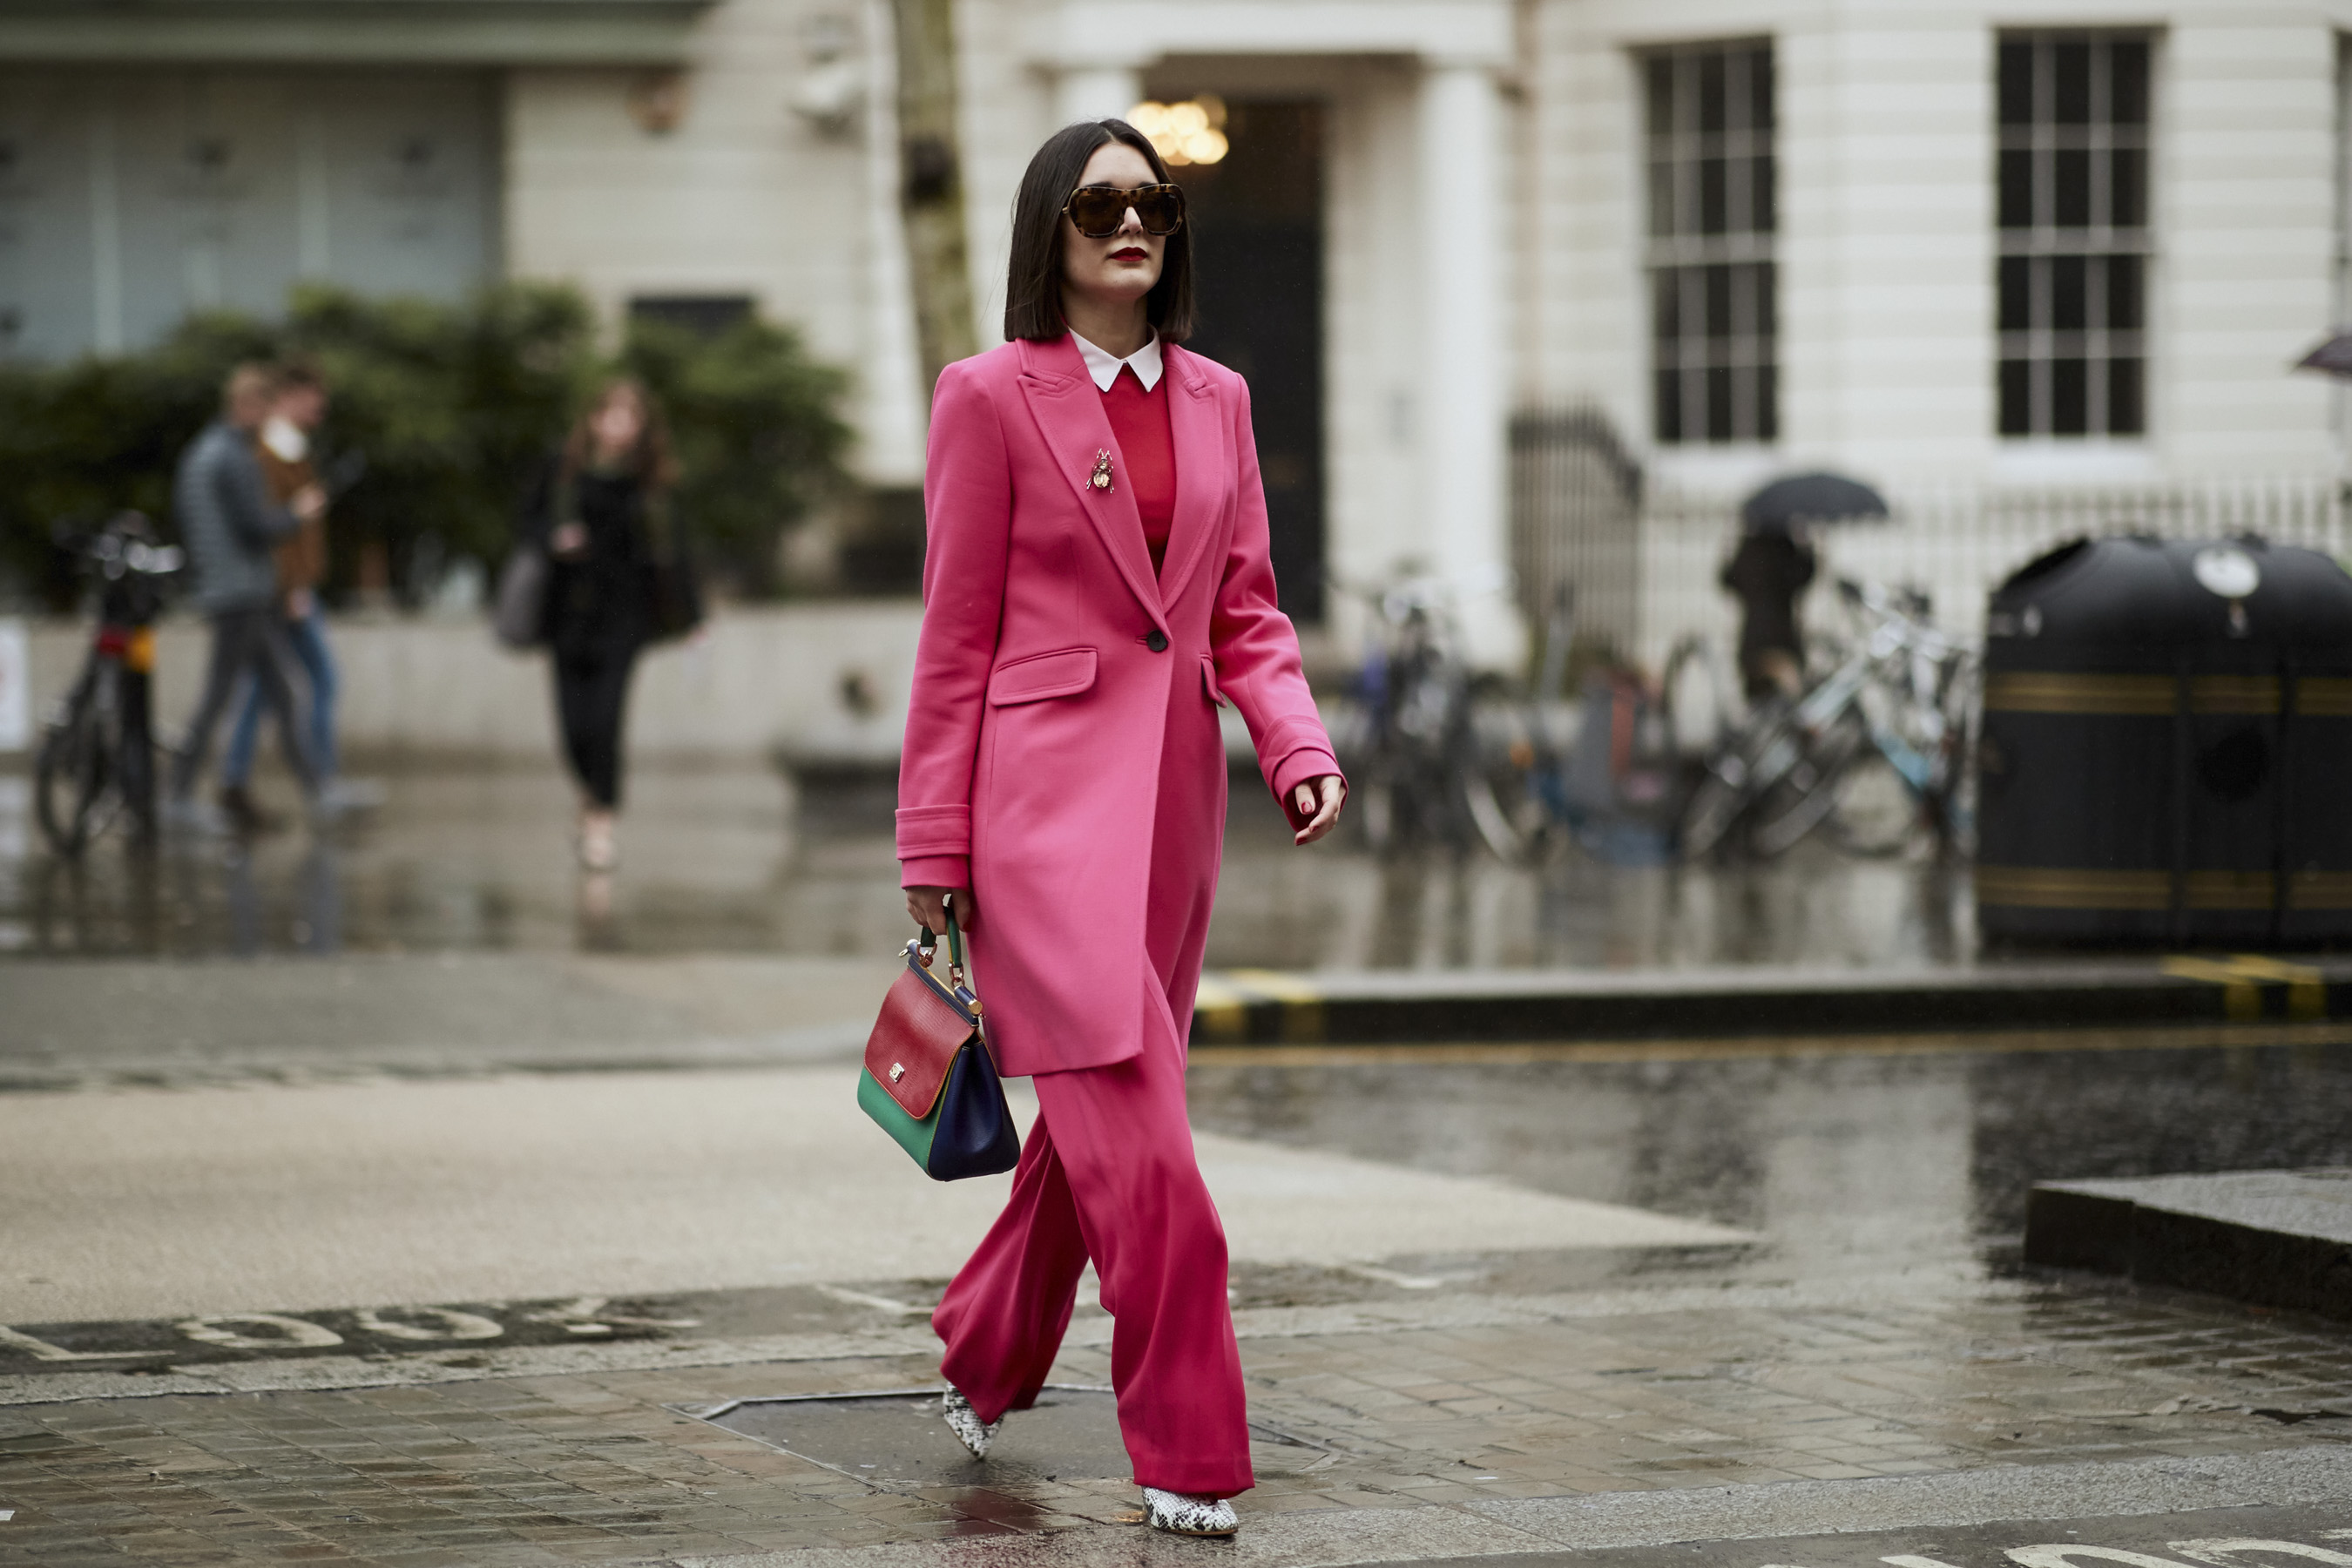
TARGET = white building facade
(1945,249)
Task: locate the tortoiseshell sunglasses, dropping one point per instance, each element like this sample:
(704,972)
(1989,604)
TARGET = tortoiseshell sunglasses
(1099,210)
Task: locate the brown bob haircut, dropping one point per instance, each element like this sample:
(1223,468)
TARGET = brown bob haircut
(1033,283)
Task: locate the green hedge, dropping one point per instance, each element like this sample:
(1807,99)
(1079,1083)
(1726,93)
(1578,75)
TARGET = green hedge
(454,407)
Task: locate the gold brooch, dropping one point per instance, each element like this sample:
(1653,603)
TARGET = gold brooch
(1100,477)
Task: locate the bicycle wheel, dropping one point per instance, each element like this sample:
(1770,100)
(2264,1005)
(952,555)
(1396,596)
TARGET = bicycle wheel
(1805,796)
(74,792)
(1713,809)
(1875,813)
(1499,825)
(1375,813)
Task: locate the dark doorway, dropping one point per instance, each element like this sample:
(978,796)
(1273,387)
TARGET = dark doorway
(1258,244)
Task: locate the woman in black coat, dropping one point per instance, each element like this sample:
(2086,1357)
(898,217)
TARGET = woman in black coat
(1769,574)
(602,513)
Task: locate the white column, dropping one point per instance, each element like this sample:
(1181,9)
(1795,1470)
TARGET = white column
(1095,93)
(895,410)
(107,335)
(314,195)
(1461,394)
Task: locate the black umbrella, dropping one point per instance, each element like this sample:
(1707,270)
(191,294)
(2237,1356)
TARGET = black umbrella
(2333,357)
(1810,498)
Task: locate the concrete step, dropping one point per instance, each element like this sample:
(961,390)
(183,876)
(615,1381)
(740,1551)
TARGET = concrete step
(2275,1238)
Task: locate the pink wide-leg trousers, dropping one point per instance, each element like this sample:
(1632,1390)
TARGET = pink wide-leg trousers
(1109,1173)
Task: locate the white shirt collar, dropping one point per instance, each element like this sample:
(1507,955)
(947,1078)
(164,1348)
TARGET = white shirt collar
(1104,368)
(284,439)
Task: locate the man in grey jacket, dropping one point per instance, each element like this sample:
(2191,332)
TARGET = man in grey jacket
(229,525)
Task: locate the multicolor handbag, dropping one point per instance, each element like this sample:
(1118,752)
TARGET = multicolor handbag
(929,1078)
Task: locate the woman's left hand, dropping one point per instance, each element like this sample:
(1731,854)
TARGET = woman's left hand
(1332,791)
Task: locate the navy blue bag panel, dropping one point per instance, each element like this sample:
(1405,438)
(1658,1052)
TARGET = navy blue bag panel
(975,1135)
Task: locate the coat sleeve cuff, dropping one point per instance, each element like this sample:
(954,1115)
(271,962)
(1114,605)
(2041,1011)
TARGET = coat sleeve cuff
(935,871)
(934,830)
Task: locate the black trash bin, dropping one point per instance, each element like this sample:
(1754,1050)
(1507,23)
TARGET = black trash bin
(2167,746)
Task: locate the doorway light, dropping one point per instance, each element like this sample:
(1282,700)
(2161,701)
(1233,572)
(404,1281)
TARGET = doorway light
(1192,131)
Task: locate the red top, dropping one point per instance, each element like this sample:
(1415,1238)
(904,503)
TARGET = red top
(1139,422)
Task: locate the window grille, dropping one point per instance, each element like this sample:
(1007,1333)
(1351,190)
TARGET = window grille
(2074,237)
(1711,221)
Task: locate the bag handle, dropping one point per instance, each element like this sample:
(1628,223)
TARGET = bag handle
(929,942)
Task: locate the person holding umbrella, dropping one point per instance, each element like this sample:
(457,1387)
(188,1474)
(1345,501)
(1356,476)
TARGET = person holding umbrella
(1774,564)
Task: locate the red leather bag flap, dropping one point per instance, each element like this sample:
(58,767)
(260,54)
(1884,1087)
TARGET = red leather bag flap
(915,1041)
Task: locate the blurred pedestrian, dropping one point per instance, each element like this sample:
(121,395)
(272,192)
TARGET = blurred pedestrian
(1096,584)
(601,513)
(1767,573)
(232,525)
(283,444)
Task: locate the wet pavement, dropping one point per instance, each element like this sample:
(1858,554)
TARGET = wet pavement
(736,858)
(483,1216)
(1865,1325)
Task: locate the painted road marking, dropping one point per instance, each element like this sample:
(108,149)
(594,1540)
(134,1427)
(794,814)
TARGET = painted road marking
(455,1324)
(286,1333)
(1504,1053)
(2241,978)
(239,1336)
(2219,1551)
(41,1350)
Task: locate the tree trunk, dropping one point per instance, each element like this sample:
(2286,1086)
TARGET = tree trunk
(931,190)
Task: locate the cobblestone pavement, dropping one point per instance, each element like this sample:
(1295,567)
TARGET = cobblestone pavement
(1458,1399)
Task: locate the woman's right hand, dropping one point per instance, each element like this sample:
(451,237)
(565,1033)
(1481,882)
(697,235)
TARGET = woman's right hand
(928,907)
(569,539)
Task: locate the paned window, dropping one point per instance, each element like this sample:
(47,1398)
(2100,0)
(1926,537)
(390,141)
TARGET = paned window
(1714,368)
(2075,236)
(2343,180)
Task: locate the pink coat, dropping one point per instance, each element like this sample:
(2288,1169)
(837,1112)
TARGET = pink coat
(1057,762)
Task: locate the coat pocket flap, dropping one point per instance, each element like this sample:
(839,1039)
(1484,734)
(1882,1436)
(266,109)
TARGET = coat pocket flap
(1209,680)
(915,1042)
(1043,674)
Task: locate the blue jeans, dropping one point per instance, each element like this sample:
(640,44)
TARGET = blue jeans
(308,636)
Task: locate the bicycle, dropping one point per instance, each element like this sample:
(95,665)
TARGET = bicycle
(1522,805)
(1610,788)
(1422,778)
(97,758)
(1872,753)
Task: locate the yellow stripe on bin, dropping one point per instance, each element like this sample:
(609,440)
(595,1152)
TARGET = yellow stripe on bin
(2041,691)
(2324,697)
(2319,890)
(2057,887)
(2231,890)
(2233,694)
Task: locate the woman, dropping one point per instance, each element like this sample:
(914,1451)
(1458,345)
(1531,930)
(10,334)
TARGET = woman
(1767,573)
(1096,584)
(601,512)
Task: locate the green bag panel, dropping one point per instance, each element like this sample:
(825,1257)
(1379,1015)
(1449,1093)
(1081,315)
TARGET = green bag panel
(914,1136)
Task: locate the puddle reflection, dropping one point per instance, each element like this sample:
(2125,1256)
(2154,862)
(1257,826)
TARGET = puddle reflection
(735,859)
(1842,1162)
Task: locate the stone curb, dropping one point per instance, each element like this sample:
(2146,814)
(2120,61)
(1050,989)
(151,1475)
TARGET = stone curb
(1261,1007)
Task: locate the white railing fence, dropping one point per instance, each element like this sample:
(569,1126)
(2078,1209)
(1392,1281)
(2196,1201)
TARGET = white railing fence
(1644,562)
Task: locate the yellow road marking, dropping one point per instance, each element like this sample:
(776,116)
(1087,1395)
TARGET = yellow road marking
(2169,1037)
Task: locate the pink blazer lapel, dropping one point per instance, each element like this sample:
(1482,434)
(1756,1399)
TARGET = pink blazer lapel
(1195,428)
(1069,413)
